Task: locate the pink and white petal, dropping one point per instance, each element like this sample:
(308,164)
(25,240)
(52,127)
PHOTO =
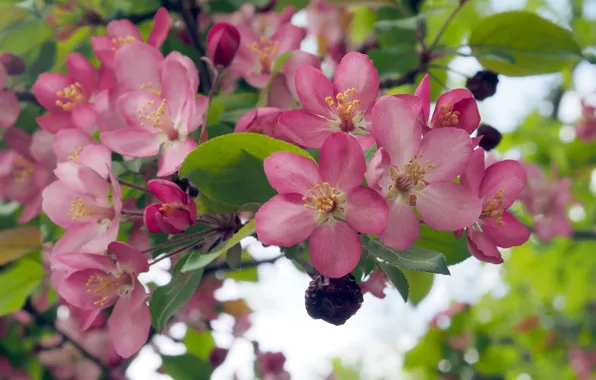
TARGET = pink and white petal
(147,68)
(289,38)
(366,211)
(284,221)
(138,237)
(193,73)
(56,201)
(82,71)
(135,106)
(172,157)
(247,35)
(82,179)
(377,168)
(507,177)
(449,99)
(123,28)
(90,319)
(201,106)
(128,332)
(257,80)
(296,60)
(133,142)
(130,259)
(483,248)
(68,142)
(46,88)
(161,26)
(357,71)
(403,227)
(75,290)
(150,218)
(304,128)
(366,141)
(176,88)
(291,173)
(335,249)
(9,108)
(107,234)
(98,158)
(423,92)
(469,116)
(83,117)
(137,297)
(511,234)
(312,88)
(342,162)
(448,206)
(19,141)
(279,95)
(76,237)
(31,208)
(56,121)
(396,129)
(448,150)
(474,172)
(103,50)
(167,191)
(41,149)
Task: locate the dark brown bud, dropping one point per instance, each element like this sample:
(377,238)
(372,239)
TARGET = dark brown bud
(333,300)
(218,356)
(483,84)
(12,64)
(490,137)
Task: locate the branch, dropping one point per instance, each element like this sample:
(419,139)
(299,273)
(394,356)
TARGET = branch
(26,96)
(407,78)
(243,265)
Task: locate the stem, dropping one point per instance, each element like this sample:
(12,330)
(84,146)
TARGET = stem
(243,265)
(306,265)
(179,240)
(132,185)
(446,68)
(407,78)
(436,79)
(174,252)
(217,81)
(445,25)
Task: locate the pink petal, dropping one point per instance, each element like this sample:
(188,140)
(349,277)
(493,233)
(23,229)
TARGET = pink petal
(176,88)
(123,28)
(103,50)
(312,88)
(335,249)
(511,234)
(201,106)
(77,237)
(77,261)
(146,68)
(304,128)
(291,66)
(508,177)
(463,102)
(82,71)
(448,206)
(357,71)
(138,296)
(75,290)
(83,179)
(56,201)
(138,237)
(56,121)
(474,173)
(165,224)
(167,191)
(279,95)
(41,149)
(366,141)
(366,211)
(284,221)
(483,248)
(377,168)
(403,227)
(172,157)
(131,260)
(150,218)
(98,158)
(69,142)
(19,141)
(191,69)
(289,37)
(161,26)
(291,173)
(31,209)
(83,117)
(46,86)
(423,92)
(261,120)
(133,142)
(449,150)
(139,109)
(9,108)
(257,80)
(342,162)
(107,234)
(395,127)
(128,332)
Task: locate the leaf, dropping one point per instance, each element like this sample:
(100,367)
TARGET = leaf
(18,281)
(24,36)
(414,258)
(229,169)
(398,279)
(17,242)
(186,367)
(197,260)
(394,60)
(236,308)
(420,283)
(167,299)
(407,22)
(199,344)
(537,46)
(215,112)
(454,250)
(234,256)
(45,59)
(362,24)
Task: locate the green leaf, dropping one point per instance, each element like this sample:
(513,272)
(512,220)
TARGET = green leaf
(398,279)
(45,59)
(24,36)
(362,24)
(407,22)
(199,344)
(229,169)
(167,299)
(18,241)
(18,281)
(198,260)
(186,367)
(215,112)
(237,101)
(414,258)
(537,46)
(234,256)
(420,283)
(454,250)
(209,206)
(394,60)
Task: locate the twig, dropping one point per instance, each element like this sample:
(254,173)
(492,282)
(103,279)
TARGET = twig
(132,185)
(243,265)
(445,25)
(407,78)
(179,240)
(306,265)
(174,252)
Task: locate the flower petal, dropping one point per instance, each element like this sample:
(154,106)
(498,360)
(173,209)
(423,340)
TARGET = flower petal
(403,227)
(173,156)
(289,38)
(75,290)
(312,88)
(128,332)
(342,162)
(377,168)
(483,248)
(46,88)
(68,143)
(167,191)
(293,63)
(82,179)
(366,211)
(511,234)
(9,108)
(83,117)
(98,158)
(56,121)
(474,173)
(133,142)
(176,89)
(147,68)
(423,92)
(102,48)
(448,206)
(82,71)
(123,28)
(76,238)
(335,249)
(150,218)
(304,128)
(284,221)
(357,71)
(291,173)
(448,150)
(131,260)
(463,102)
(507,177)
(161,26)
(279,94)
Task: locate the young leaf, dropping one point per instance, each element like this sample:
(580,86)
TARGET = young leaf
(455,250)
(398,279)
(18,281)
(186,367)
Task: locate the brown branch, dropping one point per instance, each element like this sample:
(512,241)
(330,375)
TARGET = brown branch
(243,265)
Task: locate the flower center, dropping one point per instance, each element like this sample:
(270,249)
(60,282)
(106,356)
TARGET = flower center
(494,208)
(327,201)
(167,208)
(153,88)
(345,105)
(408,179)
(79,209)
(265,50)
(104,287)
(118,42)
(449,117)
(158,119)
(74,156)
(22,170)
(71,96)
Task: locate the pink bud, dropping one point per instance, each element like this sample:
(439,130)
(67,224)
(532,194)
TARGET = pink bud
(13,64)
(176,212)
(223,41)
(218,356)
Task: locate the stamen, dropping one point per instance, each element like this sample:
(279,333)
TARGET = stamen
(118,42)
(97,284)
(78,209)
(325,200)
(71,96)
(74,156)
(448,117)
(22,170)
(265,50)
(493,209)
(345,105)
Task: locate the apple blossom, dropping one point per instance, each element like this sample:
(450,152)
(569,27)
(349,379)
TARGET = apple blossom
(177,212)
(375,284)
(282,90)
(9,104)
(262,120)
(586,126)
(223,40)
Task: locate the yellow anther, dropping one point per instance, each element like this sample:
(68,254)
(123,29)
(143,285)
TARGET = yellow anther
(71,96)
(121,41)
(448,117)
(74,156)
(345,105)
(494,208)
(22,170)
(266,51)
(325,199)
(408,179)
(97,285)
(78,209)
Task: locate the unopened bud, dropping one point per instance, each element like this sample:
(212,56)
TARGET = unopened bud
(491,137)
(333,300)
(223,41)
(218,356)
(14,65)
(483,84)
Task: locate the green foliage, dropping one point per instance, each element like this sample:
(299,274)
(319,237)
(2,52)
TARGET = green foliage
(186,367)
(398,279)
(18,280)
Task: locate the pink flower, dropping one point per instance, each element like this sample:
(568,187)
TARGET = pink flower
(498,187)
(26,169)
(329,24)
(327,203)
(261,120)
(175,214)
(256,54)
(271,366)
(456,108)
(158,104)
(343,105)
(223,40)
(71,144)
(69,98)
(408,171)
(582,361)
(6,369)
(98,282)
(202,305)
(375,284)
(282,90)
(9,104)
(586,127)
(84,203)
(124,32)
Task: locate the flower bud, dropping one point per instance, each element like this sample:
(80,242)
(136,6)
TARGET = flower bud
(218,356)
(14,65)
(491,137)
(223,41)
(483,84)
(333,300)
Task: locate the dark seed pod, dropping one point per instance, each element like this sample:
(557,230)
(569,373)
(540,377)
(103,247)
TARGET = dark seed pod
(491,137)
(483,84)
(333,300)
